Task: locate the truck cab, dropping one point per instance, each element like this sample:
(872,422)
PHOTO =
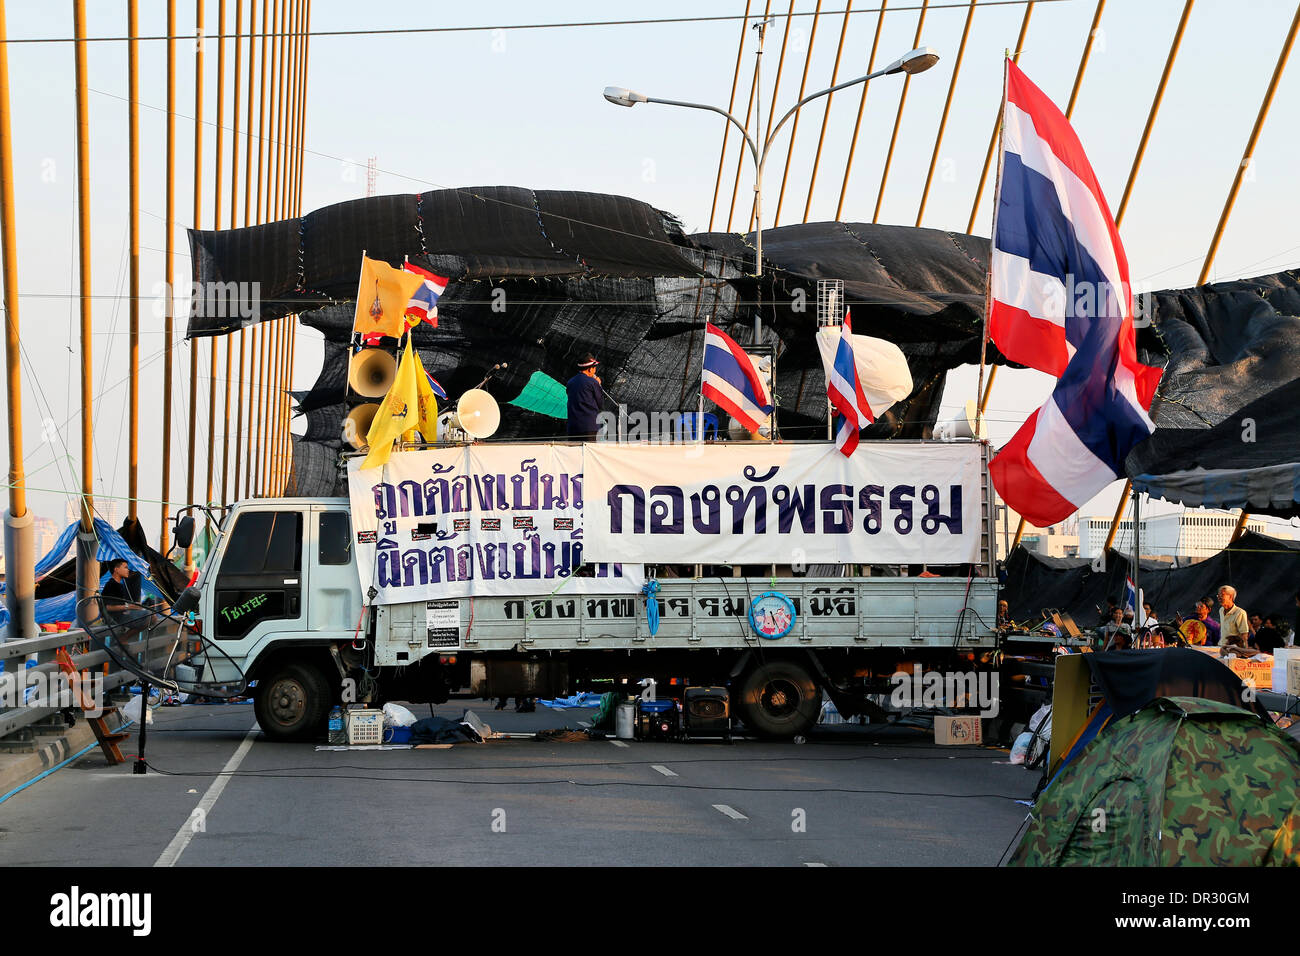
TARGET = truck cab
(280,595)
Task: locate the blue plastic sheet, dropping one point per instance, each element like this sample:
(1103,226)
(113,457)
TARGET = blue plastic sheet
(111,546)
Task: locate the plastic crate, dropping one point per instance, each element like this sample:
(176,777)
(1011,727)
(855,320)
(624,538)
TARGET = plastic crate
(365,727)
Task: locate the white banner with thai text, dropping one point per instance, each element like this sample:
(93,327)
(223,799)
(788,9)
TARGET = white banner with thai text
(476,520)
(782,503)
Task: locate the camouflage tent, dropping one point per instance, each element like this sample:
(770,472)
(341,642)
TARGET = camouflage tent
(1184,781)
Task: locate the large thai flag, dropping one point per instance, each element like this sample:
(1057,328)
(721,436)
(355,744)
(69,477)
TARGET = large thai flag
(731,380)
(423,306)
(1060,302)
(844,389)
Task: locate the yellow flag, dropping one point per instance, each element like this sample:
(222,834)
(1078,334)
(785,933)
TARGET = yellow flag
(397,412)
(382,297)
(428,402)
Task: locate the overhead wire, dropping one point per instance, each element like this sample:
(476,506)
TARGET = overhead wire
(488,28)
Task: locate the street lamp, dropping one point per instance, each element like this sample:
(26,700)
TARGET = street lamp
(916,61)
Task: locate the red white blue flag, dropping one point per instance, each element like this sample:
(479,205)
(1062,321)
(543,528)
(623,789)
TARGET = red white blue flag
(423,306)
(1060,301)
(844,389)
(437,389)
(732,381)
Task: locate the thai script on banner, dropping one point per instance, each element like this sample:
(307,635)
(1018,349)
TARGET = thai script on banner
(783,503)
(476,520)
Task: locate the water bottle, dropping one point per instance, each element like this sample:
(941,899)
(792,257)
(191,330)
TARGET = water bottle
(336,732)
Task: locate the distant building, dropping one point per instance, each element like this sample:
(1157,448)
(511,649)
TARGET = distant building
(1058,541)
(1184,536)
(45,532)
(106,508)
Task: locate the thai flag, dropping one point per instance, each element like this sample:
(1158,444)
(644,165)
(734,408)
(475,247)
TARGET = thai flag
(731,380)
(844,389)
(437,389)
(423,306)
(1131,598)
(1060,301)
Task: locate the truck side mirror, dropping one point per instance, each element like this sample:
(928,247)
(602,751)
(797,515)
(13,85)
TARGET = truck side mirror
(186,601)
(184,531)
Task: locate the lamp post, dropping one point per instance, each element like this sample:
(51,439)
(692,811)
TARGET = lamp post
(917,61)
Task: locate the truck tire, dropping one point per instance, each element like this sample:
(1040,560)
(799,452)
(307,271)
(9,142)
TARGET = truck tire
(292,701)
(779,699)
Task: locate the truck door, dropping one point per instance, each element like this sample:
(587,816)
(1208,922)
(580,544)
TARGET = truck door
(259,583)
(335,603)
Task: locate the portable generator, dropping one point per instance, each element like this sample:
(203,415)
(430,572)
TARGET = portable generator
(707,712)
(657,720)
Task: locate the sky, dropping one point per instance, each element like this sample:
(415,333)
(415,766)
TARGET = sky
(512,106)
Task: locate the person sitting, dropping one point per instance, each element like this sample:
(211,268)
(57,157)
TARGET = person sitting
(1004,615)
(1104,617)
(1149,618)
(116,593)
(1266,637)
(1115,632)
(1234,624)
(1208,630)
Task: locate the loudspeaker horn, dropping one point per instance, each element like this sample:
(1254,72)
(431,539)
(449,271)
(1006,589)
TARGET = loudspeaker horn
(371,372)
(477,414)
(961,425)
(357,424)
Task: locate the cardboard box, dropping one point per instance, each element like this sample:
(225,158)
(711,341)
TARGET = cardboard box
(958,730)
(1293,676)
(1260,673)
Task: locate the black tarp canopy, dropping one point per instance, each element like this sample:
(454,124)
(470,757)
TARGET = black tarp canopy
(1228,410)
(540,277)
(1264,570)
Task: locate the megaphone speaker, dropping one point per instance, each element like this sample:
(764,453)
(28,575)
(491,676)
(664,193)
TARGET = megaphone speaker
(477,414)
(357,424)
(371,372)
(961,425)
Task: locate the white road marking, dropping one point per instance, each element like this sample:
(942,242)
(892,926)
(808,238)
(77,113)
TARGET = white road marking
(814,864)
(619,743)
(729,811)
(186,833)
(662,769)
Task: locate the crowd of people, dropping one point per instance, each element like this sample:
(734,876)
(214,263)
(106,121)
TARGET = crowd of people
(1216,620)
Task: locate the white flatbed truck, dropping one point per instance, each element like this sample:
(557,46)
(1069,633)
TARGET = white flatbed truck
(280,594)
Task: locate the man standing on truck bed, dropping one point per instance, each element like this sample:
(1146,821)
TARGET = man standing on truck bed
(585,394)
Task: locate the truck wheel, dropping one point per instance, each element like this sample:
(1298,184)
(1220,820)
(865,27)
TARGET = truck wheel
(779,699)
(291,702)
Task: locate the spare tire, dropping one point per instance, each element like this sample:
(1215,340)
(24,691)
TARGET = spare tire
(779,699)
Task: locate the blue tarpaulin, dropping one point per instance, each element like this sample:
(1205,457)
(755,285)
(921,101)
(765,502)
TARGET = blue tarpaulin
(111,546)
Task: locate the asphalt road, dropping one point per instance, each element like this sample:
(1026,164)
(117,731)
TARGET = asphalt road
(850,796)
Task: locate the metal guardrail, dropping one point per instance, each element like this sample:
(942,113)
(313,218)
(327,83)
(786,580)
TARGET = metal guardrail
(13,719)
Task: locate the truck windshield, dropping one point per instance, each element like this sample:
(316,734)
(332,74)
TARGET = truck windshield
(264,542)
(259,578)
